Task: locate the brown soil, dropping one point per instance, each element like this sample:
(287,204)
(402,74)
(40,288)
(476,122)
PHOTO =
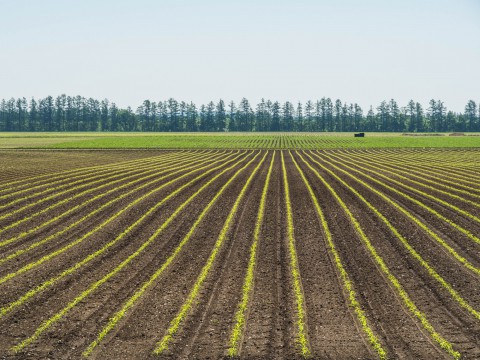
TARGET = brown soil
(333,330)
(28,163)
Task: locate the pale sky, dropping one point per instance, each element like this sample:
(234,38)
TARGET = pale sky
(362,51)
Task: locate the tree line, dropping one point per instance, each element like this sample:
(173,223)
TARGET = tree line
(76,113)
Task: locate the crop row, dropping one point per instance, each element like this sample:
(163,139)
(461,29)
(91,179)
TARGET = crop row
(94,286)
(421,203)
(397,234)
(28,267)
(427,178)
(46,179)
(138,193)
(401,292)
(179,164)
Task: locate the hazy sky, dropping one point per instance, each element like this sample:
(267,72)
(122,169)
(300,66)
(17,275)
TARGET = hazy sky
(361,51)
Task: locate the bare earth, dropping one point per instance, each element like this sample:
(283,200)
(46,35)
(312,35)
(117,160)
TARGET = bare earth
(52,252)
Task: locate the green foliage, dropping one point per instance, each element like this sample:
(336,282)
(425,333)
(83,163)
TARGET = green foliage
(66,113)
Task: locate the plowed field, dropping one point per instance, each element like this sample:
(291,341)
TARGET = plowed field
(328,254)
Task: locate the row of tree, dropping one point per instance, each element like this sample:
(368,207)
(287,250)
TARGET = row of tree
(67,113)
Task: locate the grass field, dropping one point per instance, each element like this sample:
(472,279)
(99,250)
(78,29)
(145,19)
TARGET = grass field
(325,253)
(231,141)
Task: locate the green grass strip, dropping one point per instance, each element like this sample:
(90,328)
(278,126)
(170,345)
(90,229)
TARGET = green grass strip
(48,323)
(410,305)
(248,282)
(162,345)
(431,271)
(301,339)
(146,285)
(346,282)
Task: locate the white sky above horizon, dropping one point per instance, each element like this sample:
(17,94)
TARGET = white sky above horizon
(128,51)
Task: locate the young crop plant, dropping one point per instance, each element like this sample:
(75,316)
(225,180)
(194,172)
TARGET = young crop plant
(248,282)
(431,271)
(178,165)
(53,186)
(47,179)
(72,187)
(69,182)
(451,173)
(89,189)
(49,256)
(59,315)
(302,339)
(346,282)
(119,315)
(434,198)
(175,324)
(398,174)
(400,291)
(435,178)
(9,307)
(422,225)
(439,163)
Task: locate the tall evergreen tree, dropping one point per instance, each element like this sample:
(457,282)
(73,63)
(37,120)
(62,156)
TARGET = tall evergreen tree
(231,116)
(276,117)
(394,116)
(191,124)
(172,115)
(419,117)
(244,116)
(371,124)
(182,117)
(33,116)
(210,117)
(22,112)
(299,121)
(261,116)
(383,114)
(357,118)
(220,116)
(471,116)
(338,116)
(287,116)
(309,117)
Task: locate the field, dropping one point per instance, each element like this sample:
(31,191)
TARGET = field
(305,252)
(104,140)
